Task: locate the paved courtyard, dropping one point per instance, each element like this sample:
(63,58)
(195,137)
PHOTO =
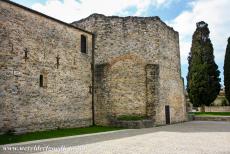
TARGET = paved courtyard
(196,137)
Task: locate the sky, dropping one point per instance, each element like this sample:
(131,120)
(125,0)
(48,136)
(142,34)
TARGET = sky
(182,15)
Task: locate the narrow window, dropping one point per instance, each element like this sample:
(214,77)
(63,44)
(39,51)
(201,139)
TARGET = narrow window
(26,54)
(83,44)
(58,58)
(41,81)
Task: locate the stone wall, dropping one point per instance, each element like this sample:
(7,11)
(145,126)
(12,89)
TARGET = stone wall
(212,118)
(125,47)
(30,44)
(45,80)
(120,88)
(216,109)
(152,90)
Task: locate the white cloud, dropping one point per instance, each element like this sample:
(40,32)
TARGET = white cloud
(213,12)
(72,10)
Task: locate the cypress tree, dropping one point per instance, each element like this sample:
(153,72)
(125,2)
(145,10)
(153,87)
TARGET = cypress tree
(227,71)
(203,75)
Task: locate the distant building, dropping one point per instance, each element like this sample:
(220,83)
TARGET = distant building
(221,100)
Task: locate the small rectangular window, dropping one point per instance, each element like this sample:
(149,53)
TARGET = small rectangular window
(83,44)
(41,81)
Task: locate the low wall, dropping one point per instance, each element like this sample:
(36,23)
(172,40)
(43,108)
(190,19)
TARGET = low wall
(212,118)
(217,108)
(132,124)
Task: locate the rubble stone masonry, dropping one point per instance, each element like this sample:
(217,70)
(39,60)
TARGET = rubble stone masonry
(34,48)
(46,79)
(137,68)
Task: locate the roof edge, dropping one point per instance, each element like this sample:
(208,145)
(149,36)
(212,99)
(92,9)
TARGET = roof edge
(97,15)
(46,16)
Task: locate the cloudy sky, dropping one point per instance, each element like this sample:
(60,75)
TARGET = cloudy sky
(182,15)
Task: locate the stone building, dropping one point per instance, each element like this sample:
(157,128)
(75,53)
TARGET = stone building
(137,68)
(45,77)
(59,75)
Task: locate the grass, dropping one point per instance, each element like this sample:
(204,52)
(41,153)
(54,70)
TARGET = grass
(131,117)
(11,138)
(212,113)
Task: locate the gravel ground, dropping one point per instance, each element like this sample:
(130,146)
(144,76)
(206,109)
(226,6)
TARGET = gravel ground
(197,137)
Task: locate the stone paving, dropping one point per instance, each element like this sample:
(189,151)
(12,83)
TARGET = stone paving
(199,137)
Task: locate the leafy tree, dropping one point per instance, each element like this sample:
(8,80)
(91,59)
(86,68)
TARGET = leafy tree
(203,74)
(227,71)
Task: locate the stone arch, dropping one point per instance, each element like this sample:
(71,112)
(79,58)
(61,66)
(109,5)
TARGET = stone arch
(133,57)
(126,78)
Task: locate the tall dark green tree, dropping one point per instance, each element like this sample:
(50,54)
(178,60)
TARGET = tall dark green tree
(227,71)
(203,82)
